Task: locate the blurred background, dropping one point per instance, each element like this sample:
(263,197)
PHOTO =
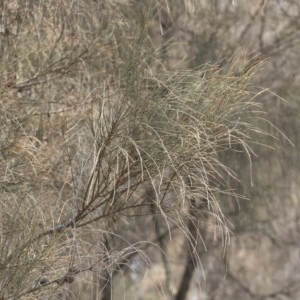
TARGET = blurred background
(54,56)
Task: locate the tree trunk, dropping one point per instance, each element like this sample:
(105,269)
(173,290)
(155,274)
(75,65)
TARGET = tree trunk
(190,264)
(106,279)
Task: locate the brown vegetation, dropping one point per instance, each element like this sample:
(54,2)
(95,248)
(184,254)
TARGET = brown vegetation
(125,128)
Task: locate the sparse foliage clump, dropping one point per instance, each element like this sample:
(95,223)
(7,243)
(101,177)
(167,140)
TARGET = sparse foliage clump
(106,151)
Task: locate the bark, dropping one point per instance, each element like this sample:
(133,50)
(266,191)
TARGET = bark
(190,264)
(106,279)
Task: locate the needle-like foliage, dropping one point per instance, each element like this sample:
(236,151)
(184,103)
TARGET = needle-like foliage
(97,136)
